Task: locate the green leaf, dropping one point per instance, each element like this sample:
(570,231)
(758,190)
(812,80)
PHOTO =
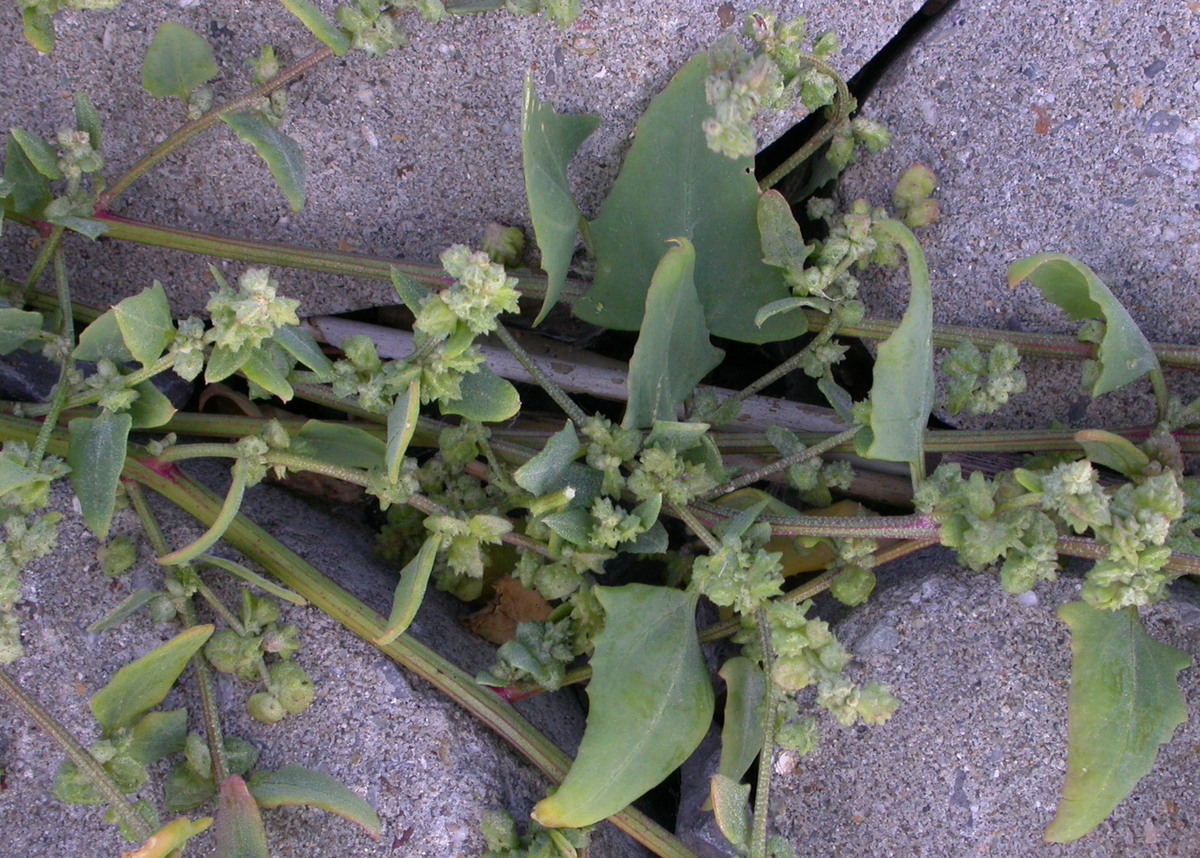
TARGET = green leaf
(543,473)
(250,577)
(103,339)
(17,327)
(239,829)
(731,808)
(320,26)
(40,153)
(86,118)
(782,242)
(346,446)
(1113,451)
(280,152)
(152,407)
(651,704)
(300,344)
(177,61)
(186,788)
(401,424)
(1123,704)
(742,733)
(1124,353)
(170,837)
(673,351)
(411,293)
(574,525)
(145,324)
(141,685)
(126,608)
(96,454)
(902,389)
(672,184)
(13,475)
(296,785)
(410,590)
(158,735)
(30,189)
(38,28)
(85,226)
(485,397)
(548,142)
(224,362)
(261,368)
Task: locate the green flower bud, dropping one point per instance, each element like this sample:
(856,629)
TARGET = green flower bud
(291,687)
(283,642)
(265,708)
(504,244)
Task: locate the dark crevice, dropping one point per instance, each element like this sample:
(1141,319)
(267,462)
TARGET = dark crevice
(861,85)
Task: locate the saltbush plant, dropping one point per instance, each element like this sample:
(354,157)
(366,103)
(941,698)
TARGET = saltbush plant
(687,247)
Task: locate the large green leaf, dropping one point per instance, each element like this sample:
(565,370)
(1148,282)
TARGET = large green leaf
(485,397)
(281,153)
(672,184)
(145,323)
(673,351)
(651,704)
(548,142)
(239,828)
(177,61)
(902,388)
(1124,354)
(17,327)
(1123,704)
(103,339)
(320,26)
(142,684)
(96,454)
(30,190)
(296,785)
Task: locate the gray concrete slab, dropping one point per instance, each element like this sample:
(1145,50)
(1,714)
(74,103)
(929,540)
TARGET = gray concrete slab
(972,761)
(406,155)
(1053,127)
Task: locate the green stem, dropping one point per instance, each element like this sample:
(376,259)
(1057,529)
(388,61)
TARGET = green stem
(762,795)
(190,129)
(839,111)
(67,334)
(78,755)
(696,526)
(229,511)
(547,384)
(45,254)
(779,464)
(787,366)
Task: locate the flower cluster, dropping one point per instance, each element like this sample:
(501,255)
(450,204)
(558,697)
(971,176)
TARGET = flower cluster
(978,384)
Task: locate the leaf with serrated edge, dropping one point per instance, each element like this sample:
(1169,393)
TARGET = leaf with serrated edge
(673,351)
(902,389)
(1124,702)
(96,454)
(1124,353)
(296,785)
(410,591)
(651,704)
(142,684)
(177,61)
(672,184)
(548,142)
(145,323)
(281,153)
(485,397)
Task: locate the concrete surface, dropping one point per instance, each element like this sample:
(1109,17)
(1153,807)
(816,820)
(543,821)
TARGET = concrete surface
(427,767)
(406,155)
(1072,128)
(972,761)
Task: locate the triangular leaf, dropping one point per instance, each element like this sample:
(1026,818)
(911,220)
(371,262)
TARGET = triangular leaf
(96,454)
(485,397)
(548,142)
(280,152)
(17,327)
(651,704)
(1123,704)
(141,685)
(30,190)
(177,61)
(672,184)
(541,474)
(145,324)
(673,351)
(262,368)
(296,785)
(1124,354)
(103,339)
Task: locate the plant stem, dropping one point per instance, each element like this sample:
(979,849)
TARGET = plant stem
(785,462)
(48,249)
(78,755)
(67,334)
(696,526)
(839,111)
(190,129)
(559,395)
(762,795)
(787,366)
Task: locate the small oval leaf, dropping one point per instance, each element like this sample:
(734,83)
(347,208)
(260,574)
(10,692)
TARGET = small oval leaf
(142,684)
(410,591)
(485,397)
